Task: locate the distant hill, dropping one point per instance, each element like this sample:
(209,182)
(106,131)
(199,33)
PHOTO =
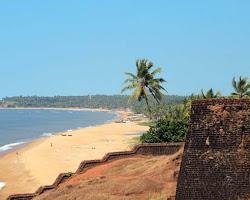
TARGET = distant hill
(90,101)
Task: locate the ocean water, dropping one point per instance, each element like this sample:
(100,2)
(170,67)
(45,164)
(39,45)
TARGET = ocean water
(19,126)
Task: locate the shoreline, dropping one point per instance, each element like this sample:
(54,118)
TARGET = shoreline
(40,161)
(58,108)
(20,144)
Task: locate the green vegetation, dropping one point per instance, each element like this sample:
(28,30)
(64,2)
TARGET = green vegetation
(158,110)
(144,83)
(94,101)
(165,130)
(147,123)
(171,128)
(241,87)
(210,94)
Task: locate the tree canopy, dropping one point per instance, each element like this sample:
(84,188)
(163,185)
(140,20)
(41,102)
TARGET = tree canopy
(145,82)
(241,87)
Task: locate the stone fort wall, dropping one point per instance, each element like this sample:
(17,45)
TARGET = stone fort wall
(216,160)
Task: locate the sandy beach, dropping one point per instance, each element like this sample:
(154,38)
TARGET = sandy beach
(39,162)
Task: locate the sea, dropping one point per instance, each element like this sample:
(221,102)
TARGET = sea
(20,126)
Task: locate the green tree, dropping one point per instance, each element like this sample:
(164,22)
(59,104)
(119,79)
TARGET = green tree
(241,87)
(210,94)
(144,83)
(172,128)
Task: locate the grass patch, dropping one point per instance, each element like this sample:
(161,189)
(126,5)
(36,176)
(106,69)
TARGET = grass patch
(133,141)
(147,123)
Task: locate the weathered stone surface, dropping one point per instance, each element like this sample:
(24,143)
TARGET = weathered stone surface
(216,161)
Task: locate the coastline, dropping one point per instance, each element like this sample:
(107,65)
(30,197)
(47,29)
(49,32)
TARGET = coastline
(9,147)
(40,161)
(55,108)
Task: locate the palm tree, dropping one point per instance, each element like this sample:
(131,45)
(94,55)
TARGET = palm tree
(144,82)
(241,87)
(210,94)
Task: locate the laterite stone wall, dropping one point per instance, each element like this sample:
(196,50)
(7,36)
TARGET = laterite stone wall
(216,160)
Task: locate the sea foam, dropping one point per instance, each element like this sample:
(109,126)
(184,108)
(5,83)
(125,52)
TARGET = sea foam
(2,184)
(10,146)
(47,134)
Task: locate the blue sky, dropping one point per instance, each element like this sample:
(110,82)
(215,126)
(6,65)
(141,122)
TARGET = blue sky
(84,47)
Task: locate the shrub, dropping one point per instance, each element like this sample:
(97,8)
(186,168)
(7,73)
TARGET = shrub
(166,130)
(172,127)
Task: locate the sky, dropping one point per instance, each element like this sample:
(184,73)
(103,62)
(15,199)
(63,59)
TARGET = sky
(63,47)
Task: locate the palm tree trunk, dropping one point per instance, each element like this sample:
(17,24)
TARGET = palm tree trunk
(148,106)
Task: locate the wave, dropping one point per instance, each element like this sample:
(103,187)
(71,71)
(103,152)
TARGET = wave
(47,134)
(70,130)
(10,146)
(2,184)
